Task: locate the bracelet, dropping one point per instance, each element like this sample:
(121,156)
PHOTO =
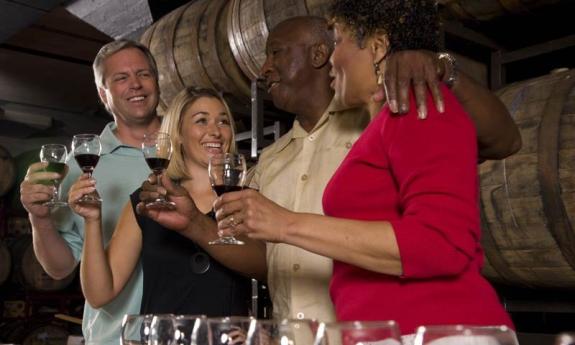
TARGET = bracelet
(451,70)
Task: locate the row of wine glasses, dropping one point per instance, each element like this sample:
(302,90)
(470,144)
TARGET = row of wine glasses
(86,149)
(169,329)
(227,171)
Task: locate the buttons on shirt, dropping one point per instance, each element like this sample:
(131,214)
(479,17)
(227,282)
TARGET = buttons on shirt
(311,137)
(304,177)
(296,267)
(300,316)
(348,145)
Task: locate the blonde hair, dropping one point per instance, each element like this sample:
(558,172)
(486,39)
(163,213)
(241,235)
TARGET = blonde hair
(172,123)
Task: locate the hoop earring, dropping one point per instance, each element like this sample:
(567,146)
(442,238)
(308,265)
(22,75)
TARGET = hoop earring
(378,73)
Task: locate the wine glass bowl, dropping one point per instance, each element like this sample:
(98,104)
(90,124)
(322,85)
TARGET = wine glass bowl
(55,156)
(157,149)
(465,335)
(358,333)
(135,329)
(87,149)
(227,173)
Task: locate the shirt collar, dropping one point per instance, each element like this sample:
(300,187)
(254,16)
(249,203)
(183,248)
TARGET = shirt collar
(297,130)
(109,140)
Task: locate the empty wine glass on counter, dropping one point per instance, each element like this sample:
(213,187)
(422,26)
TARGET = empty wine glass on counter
(190,330)
(55,156)
(288,331)
(136,329)
(87,149)
(157,149)
(227,174)
(358,333)
(232,330)
(465,335)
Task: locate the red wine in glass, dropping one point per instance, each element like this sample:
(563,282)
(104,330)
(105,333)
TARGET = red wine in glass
(87,149)
(227,174)
(157,149)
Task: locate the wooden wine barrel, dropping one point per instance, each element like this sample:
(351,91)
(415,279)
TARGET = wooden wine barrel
(528,199)
(218,43)
(35,332)
(27,271)
(7,171)
(5,262)
(489,9)
(191,48)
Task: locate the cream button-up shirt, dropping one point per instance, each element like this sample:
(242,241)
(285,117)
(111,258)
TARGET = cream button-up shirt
(293,172)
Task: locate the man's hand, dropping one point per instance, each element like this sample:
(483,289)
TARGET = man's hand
(404,69)
(179,218)
(34,191)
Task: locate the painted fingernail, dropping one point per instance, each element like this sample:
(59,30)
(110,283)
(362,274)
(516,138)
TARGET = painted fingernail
(403,109)
(393,106)
(441,107)
(422,112)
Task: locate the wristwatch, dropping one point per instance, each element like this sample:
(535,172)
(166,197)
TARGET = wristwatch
(450,71)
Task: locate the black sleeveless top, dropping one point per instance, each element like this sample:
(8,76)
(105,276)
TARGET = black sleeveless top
(181,278)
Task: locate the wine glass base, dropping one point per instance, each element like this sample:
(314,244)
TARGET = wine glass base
(90,200)
(55,203)
(227,241)
(161,205)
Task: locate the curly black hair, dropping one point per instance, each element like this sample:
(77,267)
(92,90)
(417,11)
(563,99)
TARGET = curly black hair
(409,24)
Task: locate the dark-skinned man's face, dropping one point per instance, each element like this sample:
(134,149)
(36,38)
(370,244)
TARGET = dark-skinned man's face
(287,68)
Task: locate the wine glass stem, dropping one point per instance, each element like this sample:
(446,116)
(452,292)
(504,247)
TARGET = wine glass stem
(159,183)
(56,196)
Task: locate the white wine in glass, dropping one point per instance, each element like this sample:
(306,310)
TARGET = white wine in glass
(55,156)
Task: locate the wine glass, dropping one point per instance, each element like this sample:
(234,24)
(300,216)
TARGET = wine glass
(190,330)
(136,329)
(55,156)
(465,335)
(162,330)
(287,331)
(227,174)
(87,149)
(233,330)
(157,149)
(358,333)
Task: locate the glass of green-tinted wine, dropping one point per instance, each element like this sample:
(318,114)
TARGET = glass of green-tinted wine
(55,156)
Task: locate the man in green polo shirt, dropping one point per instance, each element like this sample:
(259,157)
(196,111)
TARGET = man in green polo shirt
(127,81)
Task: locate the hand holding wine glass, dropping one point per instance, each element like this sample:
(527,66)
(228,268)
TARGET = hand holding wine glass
(227,174)
(87,149)
(157,149)
(55,156)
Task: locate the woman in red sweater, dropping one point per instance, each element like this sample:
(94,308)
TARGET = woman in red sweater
(402,211)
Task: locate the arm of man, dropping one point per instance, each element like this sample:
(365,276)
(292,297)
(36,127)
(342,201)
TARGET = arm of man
(497,133)
(51,250)
(200,228)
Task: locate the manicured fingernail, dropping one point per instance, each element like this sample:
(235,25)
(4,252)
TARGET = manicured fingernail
(422,112)
(393,106)
(440,107)
(403,109)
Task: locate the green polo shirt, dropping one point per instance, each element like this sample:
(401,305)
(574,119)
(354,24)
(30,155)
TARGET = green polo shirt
(120,171)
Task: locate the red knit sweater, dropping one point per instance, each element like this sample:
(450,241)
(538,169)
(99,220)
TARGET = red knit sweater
(422,177)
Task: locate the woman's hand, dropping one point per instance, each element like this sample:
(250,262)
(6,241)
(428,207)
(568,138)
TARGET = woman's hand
(84,185)
(250,213)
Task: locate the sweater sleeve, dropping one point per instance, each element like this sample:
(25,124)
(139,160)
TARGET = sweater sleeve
(434,164)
